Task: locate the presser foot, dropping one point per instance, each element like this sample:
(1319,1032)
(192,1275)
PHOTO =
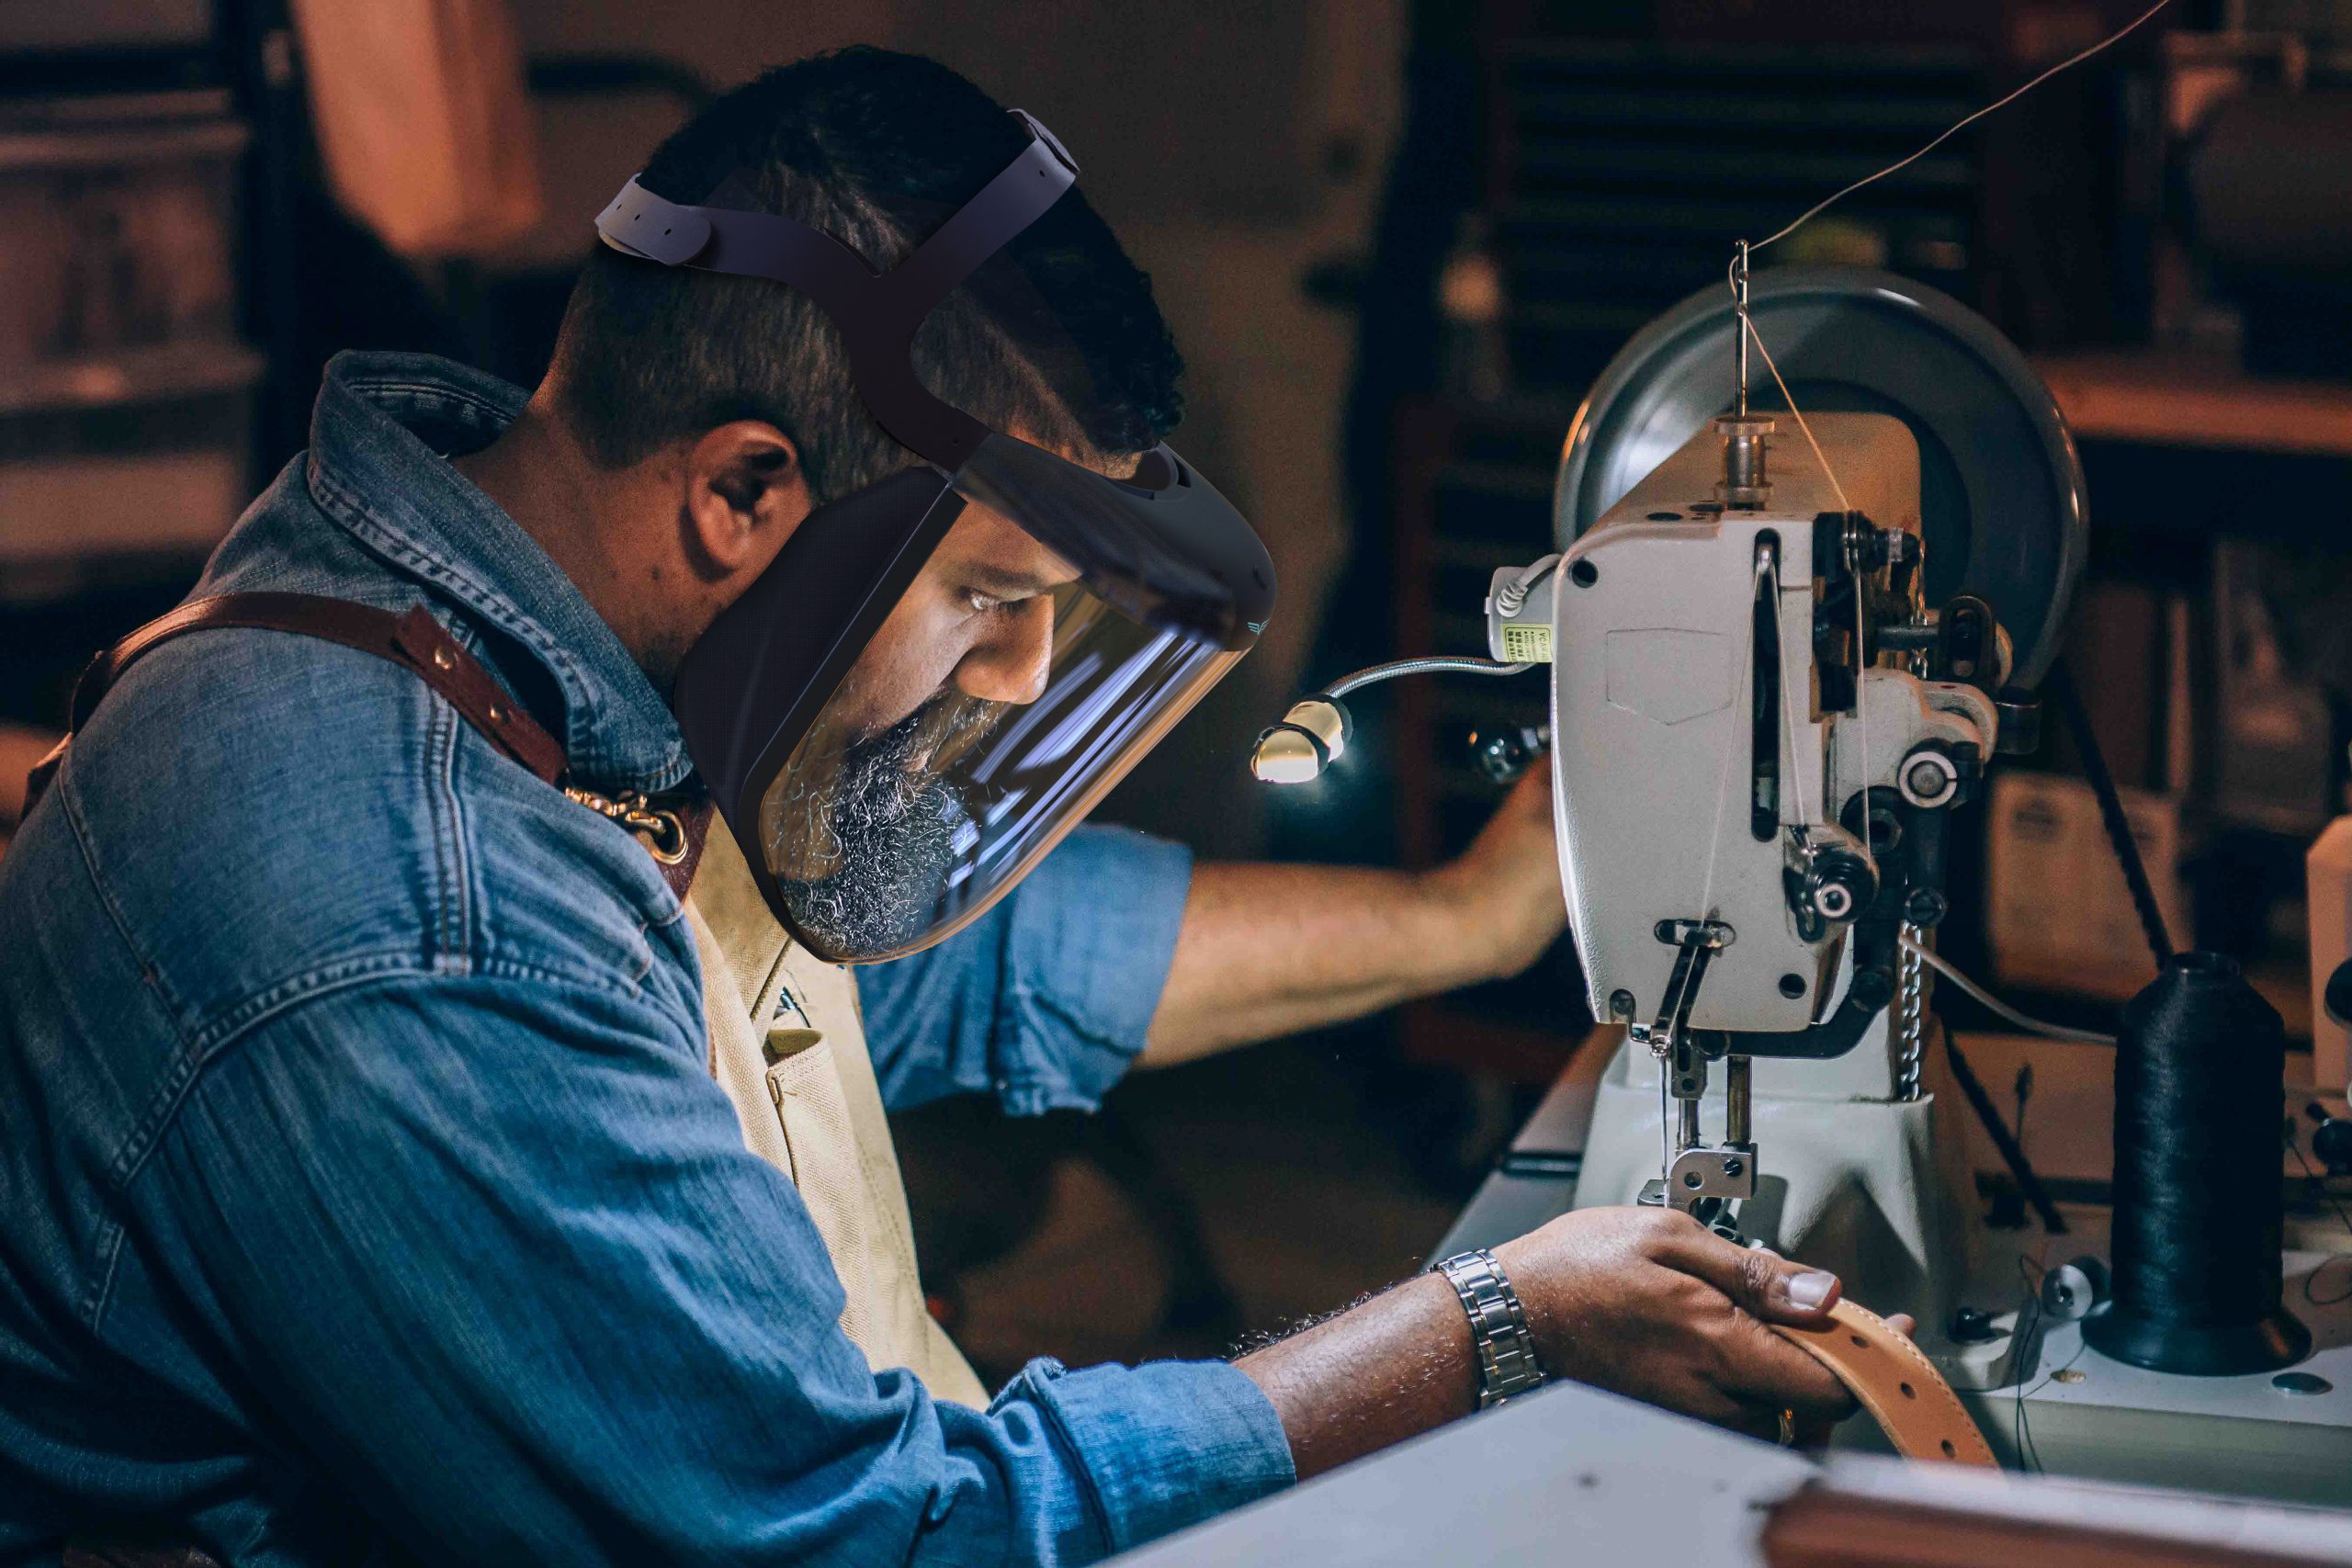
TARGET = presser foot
(1724,1176)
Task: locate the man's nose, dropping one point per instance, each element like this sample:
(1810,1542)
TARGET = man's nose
(1012,663)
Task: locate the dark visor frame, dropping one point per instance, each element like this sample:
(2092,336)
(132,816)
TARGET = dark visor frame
(879,313)
(1164,547)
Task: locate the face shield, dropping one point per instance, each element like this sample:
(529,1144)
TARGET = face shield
(941,674)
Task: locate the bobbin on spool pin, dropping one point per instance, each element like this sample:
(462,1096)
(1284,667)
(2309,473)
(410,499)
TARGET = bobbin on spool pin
(2199,1097)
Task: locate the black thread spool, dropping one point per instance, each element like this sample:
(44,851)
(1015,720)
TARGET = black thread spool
(2199,1098)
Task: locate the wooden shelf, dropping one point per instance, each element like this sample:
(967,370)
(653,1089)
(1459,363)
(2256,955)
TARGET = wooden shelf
(2178,400)
(128,376)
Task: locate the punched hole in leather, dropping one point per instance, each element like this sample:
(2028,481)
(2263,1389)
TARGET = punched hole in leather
(1894,1382)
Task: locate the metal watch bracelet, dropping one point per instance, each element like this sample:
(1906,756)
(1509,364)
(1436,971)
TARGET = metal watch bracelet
(1499,1332)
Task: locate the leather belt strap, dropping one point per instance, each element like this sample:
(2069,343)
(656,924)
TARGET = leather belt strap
(1896,1383)
(410,638)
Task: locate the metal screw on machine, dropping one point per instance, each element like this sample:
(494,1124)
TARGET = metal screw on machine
(1926,907)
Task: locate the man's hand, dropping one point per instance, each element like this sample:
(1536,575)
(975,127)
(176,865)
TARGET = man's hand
(1504,890)
(1651,1303)
(1642,1302)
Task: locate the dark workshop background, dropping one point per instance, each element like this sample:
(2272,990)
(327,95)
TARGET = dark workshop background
(1397,240)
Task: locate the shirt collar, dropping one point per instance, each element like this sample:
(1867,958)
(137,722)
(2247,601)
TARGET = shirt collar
(378,435)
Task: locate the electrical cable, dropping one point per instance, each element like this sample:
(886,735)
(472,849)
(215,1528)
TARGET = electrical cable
(2030,1319)
(2060,683)
(1991,1003)
(2009,1145)
(2319,1184)
(2021,1090)
(1511,597)
(2108,42)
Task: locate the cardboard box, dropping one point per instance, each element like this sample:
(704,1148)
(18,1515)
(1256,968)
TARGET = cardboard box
(2058,914)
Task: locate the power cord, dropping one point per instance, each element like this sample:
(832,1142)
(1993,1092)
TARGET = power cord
(2011,1149)
(2319,1185)
(2060,684)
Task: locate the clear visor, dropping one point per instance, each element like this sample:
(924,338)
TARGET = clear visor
(1009,688)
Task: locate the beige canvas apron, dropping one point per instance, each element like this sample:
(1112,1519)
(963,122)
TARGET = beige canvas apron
(788,1044)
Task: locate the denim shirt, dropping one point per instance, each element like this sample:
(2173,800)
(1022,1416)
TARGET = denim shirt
(363,1190)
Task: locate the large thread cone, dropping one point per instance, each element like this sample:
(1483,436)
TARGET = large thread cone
(2199,1097)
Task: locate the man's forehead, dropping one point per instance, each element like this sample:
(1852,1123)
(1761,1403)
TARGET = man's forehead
(986,540)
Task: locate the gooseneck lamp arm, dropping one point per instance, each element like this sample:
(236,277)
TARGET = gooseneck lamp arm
(1314,733)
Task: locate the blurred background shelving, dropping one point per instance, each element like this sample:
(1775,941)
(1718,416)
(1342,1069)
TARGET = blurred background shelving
(1398,240)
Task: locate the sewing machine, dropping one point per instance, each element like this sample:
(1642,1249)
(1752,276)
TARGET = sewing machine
(1783,645)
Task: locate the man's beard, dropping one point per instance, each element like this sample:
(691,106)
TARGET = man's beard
(894,821)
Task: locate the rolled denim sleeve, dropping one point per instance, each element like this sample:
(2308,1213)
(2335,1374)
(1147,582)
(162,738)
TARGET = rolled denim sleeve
(493,1253)
(1045,1000)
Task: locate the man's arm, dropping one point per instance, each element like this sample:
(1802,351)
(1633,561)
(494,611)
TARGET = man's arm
(1642,1301)
(491,1254)
(1268,949)
(1045,1000)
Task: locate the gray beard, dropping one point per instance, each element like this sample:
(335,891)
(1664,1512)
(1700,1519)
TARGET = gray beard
(896,825)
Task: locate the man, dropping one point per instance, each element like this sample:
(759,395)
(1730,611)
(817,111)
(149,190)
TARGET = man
(363,1185)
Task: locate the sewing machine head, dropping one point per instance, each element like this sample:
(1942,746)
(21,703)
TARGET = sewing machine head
(1762,723)
(1778,658)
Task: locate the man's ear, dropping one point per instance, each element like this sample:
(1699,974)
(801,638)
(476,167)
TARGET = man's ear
(745,494)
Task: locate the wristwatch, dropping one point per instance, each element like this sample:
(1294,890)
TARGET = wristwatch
(1506,1363)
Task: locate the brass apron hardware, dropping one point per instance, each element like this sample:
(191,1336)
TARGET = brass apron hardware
(663,831)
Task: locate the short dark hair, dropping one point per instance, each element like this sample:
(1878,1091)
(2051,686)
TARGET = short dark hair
(876,148)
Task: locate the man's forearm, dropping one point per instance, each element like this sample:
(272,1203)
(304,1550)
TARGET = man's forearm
(1395,1367)
(1270,950)
(1641,1301)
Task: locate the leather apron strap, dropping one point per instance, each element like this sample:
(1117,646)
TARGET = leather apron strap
(1896,1383)
(412,640)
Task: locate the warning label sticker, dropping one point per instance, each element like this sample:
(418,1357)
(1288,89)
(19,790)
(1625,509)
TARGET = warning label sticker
(1527,645)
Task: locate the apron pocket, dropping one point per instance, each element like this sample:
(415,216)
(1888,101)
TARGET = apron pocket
(826,1167)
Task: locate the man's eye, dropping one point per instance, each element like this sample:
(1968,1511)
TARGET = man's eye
(981,604)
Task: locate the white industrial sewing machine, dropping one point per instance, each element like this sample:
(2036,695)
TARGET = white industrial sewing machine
(1781,653)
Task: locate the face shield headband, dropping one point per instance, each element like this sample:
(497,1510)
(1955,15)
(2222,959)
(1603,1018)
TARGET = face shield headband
(941,674)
